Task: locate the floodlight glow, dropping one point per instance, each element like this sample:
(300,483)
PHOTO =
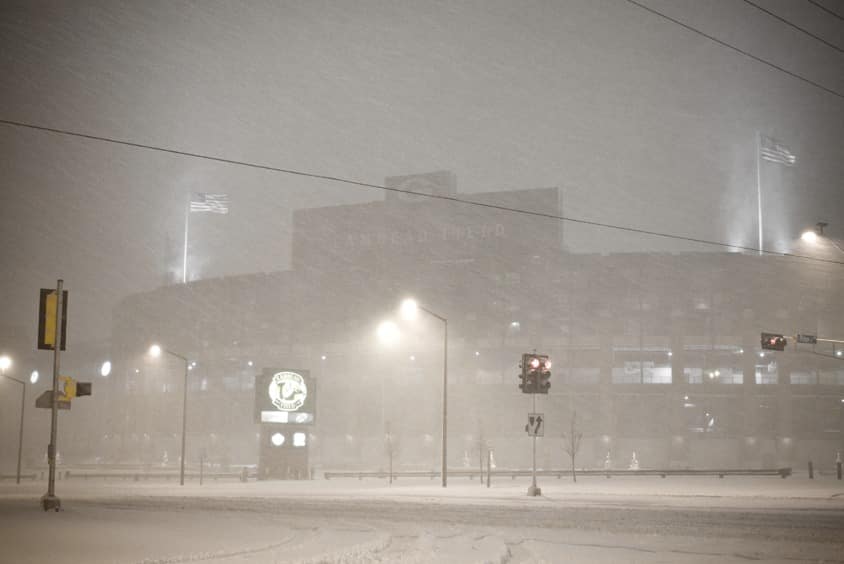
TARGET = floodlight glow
(388,332)
(155,351)
(5,362)
(105,369)
(409,309)
(249,363)
(323,357)
(33,378)
(809,236)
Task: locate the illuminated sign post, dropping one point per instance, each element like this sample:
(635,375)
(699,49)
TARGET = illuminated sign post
(285,404)
(285,397)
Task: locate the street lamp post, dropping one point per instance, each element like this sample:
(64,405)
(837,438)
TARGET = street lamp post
(156,350)
(5,363)
(408,310)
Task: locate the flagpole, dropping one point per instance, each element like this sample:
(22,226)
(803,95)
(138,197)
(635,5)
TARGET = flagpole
(185,256)
(759,187)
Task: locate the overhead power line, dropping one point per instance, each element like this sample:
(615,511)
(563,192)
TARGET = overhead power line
(737,50)
(825,9)
(797,27)
(454,199)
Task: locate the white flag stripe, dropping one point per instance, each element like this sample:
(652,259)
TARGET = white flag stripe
(775,152)
(213,203)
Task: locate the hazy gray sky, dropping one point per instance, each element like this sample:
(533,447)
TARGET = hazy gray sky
(642,122)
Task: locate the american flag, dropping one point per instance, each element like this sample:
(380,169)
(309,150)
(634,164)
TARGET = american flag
(772,150)
(214,203)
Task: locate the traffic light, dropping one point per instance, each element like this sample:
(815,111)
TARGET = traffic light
(544,375)
(773,342)
(535,373)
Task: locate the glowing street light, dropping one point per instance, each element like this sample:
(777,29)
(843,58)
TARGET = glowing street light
(388,333)
(33,378)
(410,310)
(812,236)
(155,351)
(105,368)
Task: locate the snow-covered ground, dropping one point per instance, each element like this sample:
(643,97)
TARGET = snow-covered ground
(635,519)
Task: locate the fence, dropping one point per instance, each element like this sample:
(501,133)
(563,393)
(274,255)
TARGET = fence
(781,472)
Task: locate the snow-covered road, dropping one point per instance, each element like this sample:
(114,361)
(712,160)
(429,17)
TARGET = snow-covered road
(638,520)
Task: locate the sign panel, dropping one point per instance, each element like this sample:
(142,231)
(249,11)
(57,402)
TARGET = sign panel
(47,319)
(807,339)
(536,425)
(285,396)
(45,401)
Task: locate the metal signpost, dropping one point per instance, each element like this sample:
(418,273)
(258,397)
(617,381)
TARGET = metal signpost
(49,500)
(535,428)
(536,371)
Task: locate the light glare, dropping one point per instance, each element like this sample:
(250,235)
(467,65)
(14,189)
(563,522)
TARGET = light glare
(409,309)
(105,369)
(388,332)
(155,351)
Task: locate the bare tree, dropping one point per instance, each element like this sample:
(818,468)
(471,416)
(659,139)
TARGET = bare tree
(571,442)
(391,448)
(480,447)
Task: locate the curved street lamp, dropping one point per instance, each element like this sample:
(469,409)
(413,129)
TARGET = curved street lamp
(410,310)
(155,351)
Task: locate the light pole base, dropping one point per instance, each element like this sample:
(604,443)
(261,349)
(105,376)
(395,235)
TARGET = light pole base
(534,490)
(49,502)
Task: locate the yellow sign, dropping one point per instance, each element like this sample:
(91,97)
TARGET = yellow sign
(50,310)
(67,388)
(47,317)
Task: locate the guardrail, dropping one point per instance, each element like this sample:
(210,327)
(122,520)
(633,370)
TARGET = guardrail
(241,476)
(781,472)
(15,477)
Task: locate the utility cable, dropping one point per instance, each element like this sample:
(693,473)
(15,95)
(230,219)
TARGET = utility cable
(825,9)
(409,192)
(737,50)
(797,27)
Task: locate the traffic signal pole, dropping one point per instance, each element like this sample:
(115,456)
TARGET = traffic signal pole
(533,490)
(49,500)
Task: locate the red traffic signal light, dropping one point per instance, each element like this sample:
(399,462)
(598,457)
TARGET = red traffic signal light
(773,341)
(535,373)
